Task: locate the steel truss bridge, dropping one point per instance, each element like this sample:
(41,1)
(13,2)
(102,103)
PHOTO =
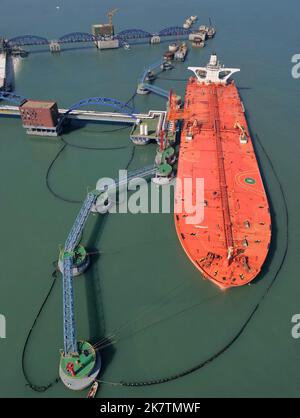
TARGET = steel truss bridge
(78,37)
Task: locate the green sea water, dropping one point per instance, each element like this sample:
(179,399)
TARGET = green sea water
(142,284)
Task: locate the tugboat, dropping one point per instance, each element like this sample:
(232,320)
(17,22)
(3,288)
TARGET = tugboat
(173,47)
(93,390)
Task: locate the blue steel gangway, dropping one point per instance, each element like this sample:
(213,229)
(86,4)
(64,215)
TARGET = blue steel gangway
(70,339)
(151,68)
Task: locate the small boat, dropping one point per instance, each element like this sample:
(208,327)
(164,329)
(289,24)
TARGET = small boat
(93,390)
(173,47)
(211,32)
(187,24)
(198,44)
(126,46)
(168,56)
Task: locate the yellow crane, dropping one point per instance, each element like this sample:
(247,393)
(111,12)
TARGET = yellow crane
(243,135)
(110,15)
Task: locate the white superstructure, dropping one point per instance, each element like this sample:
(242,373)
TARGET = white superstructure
(213,72)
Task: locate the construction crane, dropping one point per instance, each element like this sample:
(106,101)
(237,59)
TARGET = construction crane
(110,15)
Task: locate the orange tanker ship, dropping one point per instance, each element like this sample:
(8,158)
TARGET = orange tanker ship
(230,245)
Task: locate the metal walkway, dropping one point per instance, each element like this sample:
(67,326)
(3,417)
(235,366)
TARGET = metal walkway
(2,69)
(157,90)
(70,339)
(151,67)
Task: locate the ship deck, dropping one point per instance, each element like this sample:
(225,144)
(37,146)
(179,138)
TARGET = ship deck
(231,243)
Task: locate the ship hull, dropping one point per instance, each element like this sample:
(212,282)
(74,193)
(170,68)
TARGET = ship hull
(230,244)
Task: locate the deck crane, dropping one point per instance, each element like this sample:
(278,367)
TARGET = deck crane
(243,135)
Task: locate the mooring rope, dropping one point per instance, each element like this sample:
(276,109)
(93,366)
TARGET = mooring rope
(61,150)
(38,388)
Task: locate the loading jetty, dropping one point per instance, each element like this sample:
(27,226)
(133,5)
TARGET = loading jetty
(230,244)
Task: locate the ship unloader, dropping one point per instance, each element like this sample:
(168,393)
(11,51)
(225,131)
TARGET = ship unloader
(230,245)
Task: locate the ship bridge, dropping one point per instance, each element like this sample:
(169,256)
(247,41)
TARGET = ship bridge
(214,72)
